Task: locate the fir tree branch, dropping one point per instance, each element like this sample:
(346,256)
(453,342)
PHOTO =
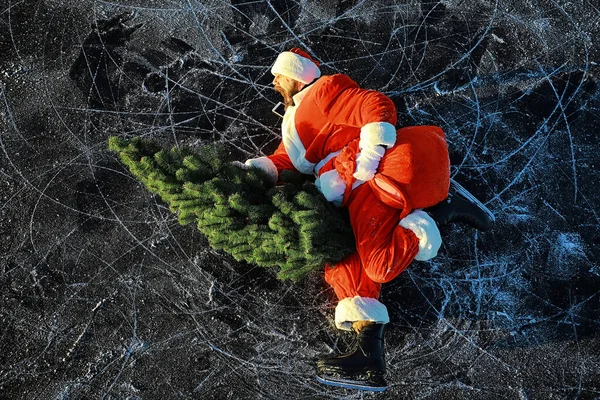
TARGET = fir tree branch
(291,227)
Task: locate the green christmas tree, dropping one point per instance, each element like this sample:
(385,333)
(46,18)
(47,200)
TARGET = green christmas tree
(289,226)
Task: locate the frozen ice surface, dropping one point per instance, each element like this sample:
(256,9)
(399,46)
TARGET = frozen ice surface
(103,294)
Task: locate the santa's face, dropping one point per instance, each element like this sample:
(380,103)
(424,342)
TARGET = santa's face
(287,87)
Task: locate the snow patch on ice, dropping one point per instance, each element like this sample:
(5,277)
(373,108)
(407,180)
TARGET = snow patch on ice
(570,243)
(497,39)
(566,255)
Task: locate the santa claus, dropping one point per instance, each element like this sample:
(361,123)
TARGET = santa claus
(394,182)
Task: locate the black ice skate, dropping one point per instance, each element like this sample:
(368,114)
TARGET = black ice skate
(461,206)
(363,367)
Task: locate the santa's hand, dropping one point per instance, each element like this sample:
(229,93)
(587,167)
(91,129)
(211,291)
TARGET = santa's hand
(367,162)
(240,165)
(262,163)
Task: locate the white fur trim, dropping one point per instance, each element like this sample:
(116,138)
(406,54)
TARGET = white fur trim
(296,67)
(265,164)
(332,185)
(377,133)
(293,144)
(426,230)
(352,309)
(367,162)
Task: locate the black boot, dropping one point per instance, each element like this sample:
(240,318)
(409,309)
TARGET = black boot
(363,367)
(457,208)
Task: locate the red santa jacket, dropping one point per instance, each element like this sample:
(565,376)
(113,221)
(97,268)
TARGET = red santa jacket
(341,133)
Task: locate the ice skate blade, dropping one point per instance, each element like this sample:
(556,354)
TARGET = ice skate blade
(467,195)
(351,385)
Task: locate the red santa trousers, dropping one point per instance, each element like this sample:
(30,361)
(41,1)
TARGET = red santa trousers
(420,167)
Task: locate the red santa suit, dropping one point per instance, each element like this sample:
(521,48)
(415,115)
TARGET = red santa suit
(346,136)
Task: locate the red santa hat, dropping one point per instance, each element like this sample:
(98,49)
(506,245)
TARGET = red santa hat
(298,65)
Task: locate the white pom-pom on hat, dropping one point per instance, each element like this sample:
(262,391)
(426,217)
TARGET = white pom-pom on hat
(298,65)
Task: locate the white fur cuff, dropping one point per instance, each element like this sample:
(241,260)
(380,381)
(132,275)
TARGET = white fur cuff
(426,231)
(265,164)
(332,186)
(352,309)
(377,133)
